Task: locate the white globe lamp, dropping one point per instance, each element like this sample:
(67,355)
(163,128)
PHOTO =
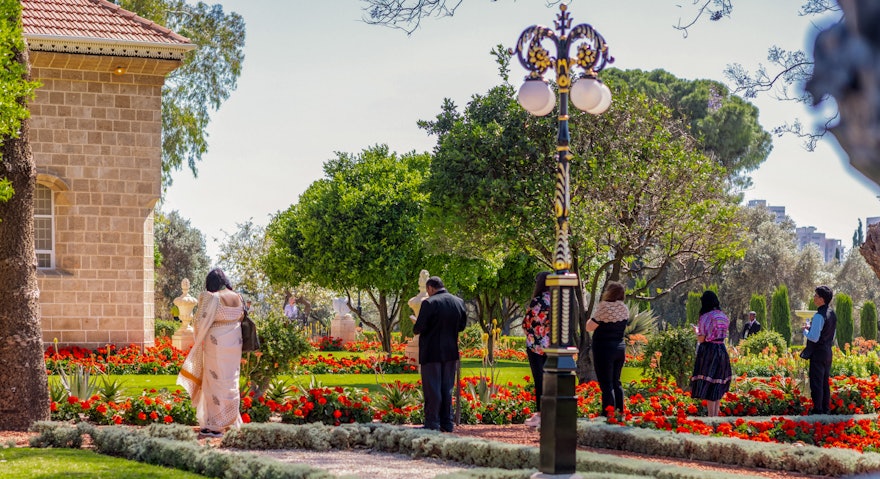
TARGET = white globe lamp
(534,95)
(604,103)
(586,93)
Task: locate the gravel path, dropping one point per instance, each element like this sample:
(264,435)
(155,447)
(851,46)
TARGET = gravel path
(366,464)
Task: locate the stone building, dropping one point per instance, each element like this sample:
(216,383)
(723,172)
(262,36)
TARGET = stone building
(96,136)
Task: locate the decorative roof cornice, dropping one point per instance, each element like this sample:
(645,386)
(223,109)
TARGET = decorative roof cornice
(102,46)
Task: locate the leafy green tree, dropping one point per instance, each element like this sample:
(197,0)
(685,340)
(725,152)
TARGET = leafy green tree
(182,253)
(771,257)
(644,199)
(727,126)
(857,279)
(25,392)
(868,321)
(357,229)
(241,257)
(205,80)
(671,353)
(844,309)
(780,313)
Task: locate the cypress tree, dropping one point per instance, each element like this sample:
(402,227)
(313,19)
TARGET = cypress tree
(780,315)
(692,308)
(868,319)
(844,310)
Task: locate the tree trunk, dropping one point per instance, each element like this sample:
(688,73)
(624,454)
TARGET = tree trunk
(870,249)
(24,390)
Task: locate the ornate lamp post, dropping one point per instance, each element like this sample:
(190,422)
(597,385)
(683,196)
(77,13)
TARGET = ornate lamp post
(559,403)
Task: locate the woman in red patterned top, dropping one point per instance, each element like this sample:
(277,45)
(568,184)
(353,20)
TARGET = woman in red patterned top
(712,373)
(536,326)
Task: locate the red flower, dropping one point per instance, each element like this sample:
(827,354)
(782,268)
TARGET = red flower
(142,416)
(154,415)
(246,418)
(337,413)
(168,419)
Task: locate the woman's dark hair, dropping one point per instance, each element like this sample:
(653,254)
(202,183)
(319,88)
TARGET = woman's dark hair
(614,291)
(540,283)
(709,302)
(216,280)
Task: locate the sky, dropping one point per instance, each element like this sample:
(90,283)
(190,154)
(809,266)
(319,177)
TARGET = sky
(318,80)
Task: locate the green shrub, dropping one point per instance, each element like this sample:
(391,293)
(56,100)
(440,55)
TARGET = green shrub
(868,320)
(844,310)
(471,337)
(165,327)
(280,344)
(517,343)
(762,340)
(677,348)
(780,315)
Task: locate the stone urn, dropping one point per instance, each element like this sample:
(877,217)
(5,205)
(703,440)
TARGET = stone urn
(343,325)
(184,336)
(415,303)
(797,332)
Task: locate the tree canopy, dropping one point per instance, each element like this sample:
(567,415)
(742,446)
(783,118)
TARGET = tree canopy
(181,254)
(205,80)
(357,229)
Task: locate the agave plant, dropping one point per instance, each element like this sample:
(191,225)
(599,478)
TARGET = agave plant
(641,325)
(279,390)
(397,395)
(79,382)
(110,390)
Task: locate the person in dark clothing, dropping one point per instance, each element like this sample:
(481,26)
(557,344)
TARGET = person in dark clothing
(752,326)
(820,338)
(536,326)
(441,317)
(609,350)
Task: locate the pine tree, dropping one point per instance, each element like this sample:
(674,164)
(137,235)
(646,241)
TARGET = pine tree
(780,319)
(844,310)
(868,320)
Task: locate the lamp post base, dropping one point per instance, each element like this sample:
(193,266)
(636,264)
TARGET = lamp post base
(542,475)
(558,415)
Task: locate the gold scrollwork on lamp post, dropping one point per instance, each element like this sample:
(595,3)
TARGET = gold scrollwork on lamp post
(587,93)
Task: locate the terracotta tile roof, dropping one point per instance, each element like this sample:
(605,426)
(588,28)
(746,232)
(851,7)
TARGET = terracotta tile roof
(92,19)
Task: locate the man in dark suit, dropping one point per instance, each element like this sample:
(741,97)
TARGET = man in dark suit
(752,326)
(441,317)
(820,339)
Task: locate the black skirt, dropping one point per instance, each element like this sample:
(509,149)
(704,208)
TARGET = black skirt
(712,373)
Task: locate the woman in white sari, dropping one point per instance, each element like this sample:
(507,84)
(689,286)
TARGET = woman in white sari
(210,372)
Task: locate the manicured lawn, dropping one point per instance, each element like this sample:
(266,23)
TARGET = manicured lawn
(507,372)
(26,463)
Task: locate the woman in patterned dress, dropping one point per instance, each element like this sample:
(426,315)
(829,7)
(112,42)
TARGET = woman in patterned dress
(712,373)
(210,372)
(536,326)
(609,349)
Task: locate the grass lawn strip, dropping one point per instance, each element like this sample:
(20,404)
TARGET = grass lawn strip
(29,463)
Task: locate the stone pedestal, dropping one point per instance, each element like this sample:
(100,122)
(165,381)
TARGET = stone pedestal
(343,327)
(797,330)
(184,337)
(412,350)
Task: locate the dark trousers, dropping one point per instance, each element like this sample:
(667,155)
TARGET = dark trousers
(608,359)
(438,379)
(820,372)
(536,363)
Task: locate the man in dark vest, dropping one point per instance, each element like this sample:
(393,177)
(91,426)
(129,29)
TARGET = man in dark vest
(752,326)
(820,338)
(441,317)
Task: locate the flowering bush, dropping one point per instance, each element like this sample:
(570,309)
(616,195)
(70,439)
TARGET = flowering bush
(332,406)
(321,364)
(328,343)
(150,407)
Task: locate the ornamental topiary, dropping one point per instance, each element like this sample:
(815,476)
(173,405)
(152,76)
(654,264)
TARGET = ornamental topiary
(671,353)
(844,310)
(780,314)
(868,320)
(762,340)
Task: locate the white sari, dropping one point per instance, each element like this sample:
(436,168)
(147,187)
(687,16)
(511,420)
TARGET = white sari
(210,372)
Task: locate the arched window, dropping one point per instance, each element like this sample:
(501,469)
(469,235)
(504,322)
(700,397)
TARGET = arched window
(44,227)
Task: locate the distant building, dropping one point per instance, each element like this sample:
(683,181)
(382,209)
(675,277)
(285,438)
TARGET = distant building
(778,211)
(829,247)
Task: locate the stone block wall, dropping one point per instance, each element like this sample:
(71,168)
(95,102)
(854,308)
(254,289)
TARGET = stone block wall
(96,140)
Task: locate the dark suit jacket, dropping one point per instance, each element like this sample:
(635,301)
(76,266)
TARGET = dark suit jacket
(441,317)
(749,330)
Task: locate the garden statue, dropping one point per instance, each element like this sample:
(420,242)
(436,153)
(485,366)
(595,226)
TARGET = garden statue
(183,337)
(415,303)
(342,325)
